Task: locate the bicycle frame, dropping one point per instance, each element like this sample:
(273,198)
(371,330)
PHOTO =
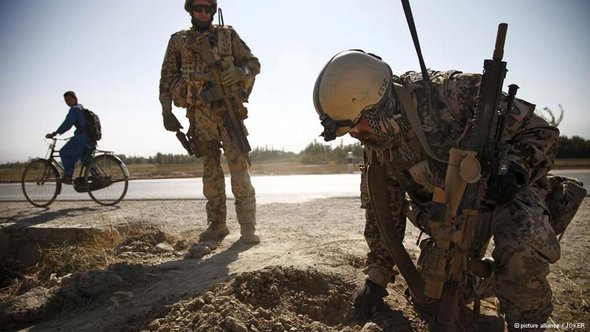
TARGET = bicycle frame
(42,179)
(53,154)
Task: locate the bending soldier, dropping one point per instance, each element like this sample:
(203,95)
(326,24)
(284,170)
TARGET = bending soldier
(210,71)
(356,93)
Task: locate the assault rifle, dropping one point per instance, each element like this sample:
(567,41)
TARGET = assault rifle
(460,231)
(229,101)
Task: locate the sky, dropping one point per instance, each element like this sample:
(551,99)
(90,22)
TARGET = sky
(110,52)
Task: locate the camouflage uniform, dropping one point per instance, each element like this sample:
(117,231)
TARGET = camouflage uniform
(187,65)
(525,242)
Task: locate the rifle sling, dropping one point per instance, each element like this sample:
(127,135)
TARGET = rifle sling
(379,197)
(412,115)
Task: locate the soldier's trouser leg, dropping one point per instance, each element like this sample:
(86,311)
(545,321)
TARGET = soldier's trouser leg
(525,244)
(214,191)
(244,193)
(214,186)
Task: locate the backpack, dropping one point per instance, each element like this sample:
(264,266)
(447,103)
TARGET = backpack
(564,198)
(92,126)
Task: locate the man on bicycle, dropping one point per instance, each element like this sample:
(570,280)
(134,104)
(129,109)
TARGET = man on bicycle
(76,147)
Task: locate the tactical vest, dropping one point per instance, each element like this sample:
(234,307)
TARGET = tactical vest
(200,52)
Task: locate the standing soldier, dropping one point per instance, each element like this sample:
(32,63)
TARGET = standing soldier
(356,93)
(210,71)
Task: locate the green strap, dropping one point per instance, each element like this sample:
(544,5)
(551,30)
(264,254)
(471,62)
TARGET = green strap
(412,116)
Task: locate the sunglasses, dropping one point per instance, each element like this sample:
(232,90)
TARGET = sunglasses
(203,8)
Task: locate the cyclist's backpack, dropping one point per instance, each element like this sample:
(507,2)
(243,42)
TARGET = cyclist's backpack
(92,126)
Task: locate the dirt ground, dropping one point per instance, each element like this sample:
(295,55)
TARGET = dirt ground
(139,270)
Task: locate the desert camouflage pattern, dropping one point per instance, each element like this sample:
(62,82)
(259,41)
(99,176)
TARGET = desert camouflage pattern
(190,56)
(525,242)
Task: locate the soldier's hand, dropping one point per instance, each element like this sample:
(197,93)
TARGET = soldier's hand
(503,188)
(171,123)
(51,135)
(369,299)
(232,75)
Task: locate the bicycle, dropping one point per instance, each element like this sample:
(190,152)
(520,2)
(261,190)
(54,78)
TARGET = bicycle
(103,176)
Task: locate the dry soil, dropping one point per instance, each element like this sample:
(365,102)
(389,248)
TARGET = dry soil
(136,267)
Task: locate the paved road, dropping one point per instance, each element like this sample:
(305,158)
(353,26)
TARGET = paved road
(269,189)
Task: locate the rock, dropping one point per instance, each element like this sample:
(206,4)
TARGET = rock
(164,247)
(371,327)
(197,251)
(234,325)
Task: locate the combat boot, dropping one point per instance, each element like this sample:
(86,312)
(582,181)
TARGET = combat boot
(215,232)
(248,235)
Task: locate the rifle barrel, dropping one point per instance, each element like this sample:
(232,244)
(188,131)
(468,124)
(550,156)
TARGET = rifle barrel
(500,40)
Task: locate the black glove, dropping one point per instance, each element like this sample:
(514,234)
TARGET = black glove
(171,122)
(369,299)
(51,135)
(503,188)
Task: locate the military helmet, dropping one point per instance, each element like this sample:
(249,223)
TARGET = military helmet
(350,83)
(188,4)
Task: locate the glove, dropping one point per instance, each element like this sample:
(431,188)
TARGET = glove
(171,122)
(232,75)
(503,188)
(51,135)
(369,299)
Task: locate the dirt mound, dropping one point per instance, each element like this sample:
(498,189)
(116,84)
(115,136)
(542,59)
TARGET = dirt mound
(272,299)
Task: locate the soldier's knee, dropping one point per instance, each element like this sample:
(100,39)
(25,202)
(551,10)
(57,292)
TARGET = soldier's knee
(520,261)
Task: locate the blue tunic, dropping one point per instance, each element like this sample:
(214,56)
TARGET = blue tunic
(75,148)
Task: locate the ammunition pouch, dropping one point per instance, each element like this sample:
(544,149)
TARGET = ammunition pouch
(211,93)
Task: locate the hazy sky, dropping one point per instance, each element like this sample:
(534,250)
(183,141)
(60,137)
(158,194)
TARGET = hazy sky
(110,52)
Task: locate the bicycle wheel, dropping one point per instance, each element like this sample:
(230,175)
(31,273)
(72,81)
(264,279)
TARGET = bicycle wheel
(107,178)
(40,182)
